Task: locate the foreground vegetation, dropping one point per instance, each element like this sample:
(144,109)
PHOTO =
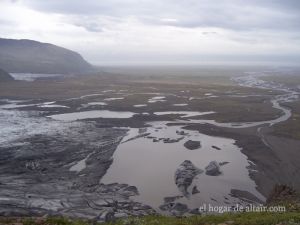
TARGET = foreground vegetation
(289,218)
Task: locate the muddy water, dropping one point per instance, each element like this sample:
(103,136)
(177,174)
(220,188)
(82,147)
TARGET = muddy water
(151,166)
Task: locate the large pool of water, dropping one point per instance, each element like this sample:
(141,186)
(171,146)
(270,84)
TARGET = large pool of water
(151,166)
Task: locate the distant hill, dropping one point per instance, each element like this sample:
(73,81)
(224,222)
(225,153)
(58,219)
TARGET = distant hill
(27,56)
(4,76)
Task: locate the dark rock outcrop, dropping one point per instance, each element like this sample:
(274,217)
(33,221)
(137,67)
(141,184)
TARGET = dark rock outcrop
(184,176)
(245,196)
(213,169)
(27,56)
(216,147)
(280,193)
(175,209)
(195,190)
(192,145)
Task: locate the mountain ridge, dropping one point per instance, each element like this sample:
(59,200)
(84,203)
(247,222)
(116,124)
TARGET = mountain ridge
(29,56)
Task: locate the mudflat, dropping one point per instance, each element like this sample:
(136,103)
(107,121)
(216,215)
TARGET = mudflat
(85,146)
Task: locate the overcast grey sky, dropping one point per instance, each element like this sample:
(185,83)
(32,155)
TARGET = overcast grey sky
(160,31)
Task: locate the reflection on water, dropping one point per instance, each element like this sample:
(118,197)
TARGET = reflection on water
(33,76)
(183,113)
(91,114)
(150,166)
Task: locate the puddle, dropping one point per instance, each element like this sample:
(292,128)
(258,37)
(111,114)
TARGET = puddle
(141,105)
(157,99)
(80,165)
(112,99)
(183,113)
(53,106)
(92,114)
(32,76)
(181,104)
(97,103)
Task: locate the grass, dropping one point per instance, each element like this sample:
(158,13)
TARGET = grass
(289,218)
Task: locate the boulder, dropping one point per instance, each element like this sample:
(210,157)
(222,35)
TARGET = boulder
(175,209)
(245,196)
(195,211)
(172,198)
(192,145)
(213,169)
(216,147)
(184,176)
(195,190)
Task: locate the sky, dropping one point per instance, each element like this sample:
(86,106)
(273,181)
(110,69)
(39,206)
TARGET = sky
(112,32)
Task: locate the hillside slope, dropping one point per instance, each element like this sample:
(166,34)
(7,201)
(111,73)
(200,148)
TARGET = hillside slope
(4,76)
(27,56)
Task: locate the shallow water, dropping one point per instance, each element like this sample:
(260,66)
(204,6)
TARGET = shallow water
(97,103)
(180,104)
(53,106)
(33,76)
(183,113)
(151,166)
(157,99)
(92,114)
(112,99)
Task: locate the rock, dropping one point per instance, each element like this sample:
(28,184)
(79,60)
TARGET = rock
(184,176)
(107,215)
(281,193)
(192,145)
(58,191)
(176,209)
(181,132)
(179,208)
(213,169)
(172,199)
(166,206)
(195,211)
(101,202)
(33,165)
(215,147)
(195,190)
(120,215)
(132,189)
(245,196)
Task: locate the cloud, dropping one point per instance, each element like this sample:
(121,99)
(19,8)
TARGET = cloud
(229,14)
(134,30)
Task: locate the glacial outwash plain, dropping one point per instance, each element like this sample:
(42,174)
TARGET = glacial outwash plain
(140,141)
